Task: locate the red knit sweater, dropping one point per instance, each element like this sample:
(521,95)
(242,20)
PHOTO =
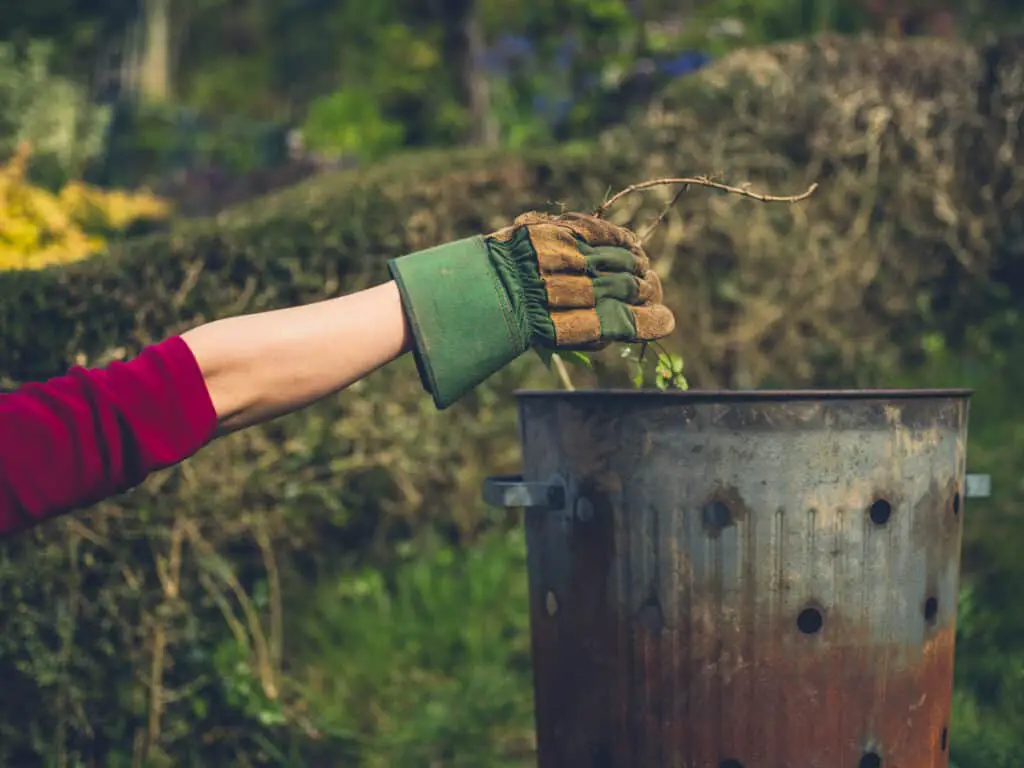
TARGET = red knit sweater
(79,438)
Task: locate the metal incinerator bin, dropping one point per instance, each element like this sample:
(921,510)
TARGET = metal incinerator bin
(742,579)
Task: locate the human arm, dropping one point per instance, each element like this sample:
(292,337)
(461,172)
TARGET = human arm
(465,308)
(257,367)
(79,438)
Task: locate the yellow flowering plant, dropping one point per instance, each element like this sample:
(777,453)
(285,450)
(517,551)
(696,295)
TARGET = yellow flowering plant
(39,227)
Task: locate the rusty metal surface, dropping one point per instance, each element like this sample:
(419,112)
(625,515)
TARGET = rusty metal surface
(759,582)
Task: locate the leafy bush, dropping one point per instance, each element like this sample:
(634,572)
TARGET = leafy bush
(51,113)
(39,227)
(152,143)
(350,123)
(433,655)
(722,26)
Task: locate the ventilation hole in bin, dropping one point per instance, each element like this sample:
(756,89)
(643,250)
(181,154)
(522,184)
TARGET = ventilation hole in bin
(931,609)
(810,621)
(944,739)
(956,504)
(870,760)
(730,764)
(715,515)
(880,512)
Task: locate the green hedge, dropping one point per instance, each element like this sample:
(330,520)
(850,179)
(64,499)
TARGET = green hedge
(912,142)
(191,581)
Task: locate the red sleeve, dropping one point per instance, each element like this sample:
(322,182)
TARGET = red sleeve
(79,438)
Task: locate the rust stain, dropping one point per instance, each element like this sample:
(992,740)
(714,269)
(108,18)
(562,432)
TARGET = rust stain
(730,597)
(651,697)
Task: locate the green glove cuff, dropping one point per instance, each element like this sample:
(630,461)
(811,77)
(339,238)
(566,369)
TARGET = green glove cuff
(471,305)
(515,261)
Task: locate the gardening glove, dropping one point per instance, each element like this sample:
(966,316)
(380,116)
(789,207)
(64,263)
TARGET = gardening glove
(550,282)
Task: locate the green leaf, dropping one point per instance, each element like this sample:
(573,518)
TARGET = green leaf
(577,358)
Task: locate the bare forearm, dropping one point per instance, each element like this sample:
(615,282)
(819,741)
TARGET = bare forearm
(260,366)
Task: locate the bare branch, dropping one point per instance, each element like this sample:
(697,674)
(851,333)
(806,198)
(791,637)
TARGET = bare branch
(702,181)
(664,212)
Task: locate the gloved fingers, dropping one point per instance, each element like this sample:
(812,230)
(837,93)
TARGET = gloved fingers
(597,231)
(652,322)
(650,289)
(611,258)
(578,243)
(558,251)
(584,226)
(577,327)
(612,320)
(580,291)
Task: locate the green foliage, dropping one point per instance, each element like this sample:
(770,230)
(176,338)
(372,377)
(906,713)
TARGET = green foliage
(426,663)
(234,85)
(51,113)
(667,367)
(151,140)
(386,80)
(663,369)
(722,26)
(179,621)
(350,122)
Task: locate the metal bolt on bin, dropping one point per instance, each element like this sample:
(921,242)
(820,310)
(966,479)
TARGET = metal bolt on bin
(742,579)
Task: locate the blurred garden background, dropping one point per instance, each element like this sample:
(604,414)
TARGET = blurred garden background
(329,589)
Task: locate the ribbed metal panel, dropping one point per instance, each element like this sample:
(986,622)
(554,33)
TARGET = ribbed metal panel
(745,580)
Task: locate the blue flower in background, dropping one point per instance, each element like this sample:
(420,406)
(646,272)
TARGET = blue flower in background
(566,52)
(552,109)
(510,51)
(684,63)
(492,61)
(506,49)
(514,46)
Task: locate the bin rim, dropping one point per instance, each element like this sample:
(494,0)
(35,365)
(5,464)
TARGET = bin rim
(747,395)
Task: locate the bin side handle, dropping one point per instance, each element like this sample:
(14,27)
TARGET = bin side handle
(513,491)
(978,486)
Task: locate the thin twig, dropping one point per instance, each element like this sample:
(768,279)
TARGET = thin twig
(703,181)
(664,212)
(563,373)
